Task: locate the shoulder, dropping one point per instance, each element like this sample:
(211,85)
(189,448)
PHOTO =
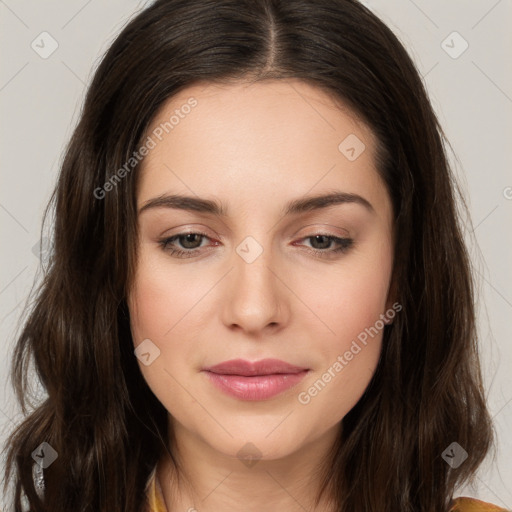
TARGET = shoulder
(473,505)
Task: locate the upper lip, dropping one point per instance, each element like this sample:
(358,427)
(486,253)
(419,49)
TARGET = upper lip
(248,368)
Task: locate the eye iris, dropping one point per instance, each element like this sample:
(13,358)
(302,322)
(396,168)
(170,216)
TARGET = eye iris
(326,244)
(187,240)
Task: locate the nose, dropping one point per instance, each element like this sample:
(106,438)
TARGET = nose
(255,298)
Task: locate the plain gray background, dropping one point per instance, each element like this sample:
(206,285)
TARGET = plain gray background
(471,91)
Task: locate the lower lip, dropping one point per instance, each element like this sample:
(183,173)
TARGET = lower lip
(260,387)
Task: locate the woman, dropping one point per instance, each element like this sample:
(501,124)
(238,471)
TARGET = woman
(259,295)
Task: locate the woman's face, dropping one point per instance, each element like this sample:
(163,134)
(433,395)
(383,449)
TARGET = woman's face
(263,280)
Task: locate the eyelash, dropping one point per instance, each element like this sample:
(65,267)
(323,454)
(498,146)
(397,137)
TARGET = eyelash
(344,244)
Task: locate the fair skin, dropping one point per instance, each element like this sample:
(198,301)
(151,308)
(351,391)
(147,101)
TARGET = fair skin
(254,148)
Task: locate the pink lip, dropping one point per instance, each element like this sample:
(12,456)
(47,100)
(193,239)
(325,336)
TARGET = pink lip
(259,380)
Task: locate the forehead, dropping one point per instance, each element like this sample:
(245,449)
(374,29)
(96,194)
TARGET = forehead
(270,140)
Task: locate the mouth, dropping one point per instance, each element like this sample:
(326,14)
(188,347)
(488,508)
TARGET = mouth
(254,369)
(260,380)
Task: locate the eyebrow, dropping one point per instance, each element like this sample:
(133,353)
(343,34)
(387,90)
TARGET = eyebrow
(301,205)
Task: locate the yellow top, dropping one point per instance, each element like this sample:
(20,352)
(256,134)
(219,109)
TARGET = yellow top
(156,502)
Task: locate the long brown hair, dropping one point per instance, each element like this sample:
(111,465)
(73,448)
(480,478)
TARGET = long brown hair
(99,415)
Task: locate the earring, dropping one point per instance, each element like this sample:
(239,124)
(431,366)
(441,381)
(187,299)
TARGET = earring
(38,478)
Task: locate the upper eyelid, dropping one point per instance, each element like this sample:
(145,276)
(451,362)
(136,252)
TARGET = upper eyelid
(315,228)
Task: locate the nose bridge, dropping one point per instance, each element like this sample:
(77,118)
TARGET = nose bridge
(253,261)
(255,299)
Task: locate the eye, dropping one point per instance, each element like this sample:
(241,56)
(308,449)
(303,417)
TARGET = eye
(324,242)
(188,240)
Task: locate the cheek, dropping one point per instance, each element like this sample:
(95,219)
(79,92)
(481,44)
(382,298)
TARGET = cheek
(347,298)
(335,390)
(350,352)
(164,301)
(161,306)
